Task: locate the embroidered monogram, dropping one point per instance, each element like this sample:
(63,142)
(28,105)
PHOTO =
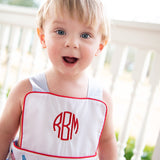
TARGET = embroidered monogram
(66,123)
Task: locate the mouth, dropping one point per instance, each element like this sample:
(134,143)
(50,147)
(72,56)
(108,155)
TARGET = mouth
(70,60)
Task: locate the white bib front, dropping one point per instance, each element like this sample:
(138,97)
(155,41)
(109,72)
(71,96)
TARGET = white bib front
(55,126)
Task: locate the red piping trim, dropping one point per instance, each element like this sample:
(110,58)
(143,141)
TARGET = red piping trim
(47,155)
(63,97)
(102,127)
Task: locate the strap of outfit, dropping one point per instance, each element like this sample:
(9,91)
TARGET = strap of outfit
(39,84)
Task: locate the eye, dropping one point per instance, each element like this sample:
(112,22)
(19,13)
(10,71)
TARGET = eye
(60,32)
(85,35)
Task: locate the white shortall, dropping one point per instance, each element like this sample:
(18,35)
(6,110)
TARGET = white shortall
(56,127)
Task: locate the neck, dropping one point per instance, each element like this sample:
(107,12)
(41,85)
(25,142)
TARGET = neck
(60,77)
(67,85)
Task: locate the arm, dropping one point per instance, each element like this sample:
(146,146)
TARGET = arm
(10,119)
(108,145)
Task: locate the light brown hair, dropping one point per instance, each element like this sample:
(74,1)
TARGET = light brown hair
(88,11)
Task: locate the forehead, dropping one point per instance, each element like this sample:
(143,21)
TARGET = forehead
(69,22)
(84,14)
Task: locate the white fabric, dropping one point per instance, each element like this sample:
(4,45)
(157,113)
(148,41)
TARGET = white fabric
(94,90)
(57,127)
(39,84)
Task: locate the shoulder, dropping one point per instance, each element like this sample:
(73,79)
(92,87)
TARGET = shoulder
(19,91)
(108,101)
(10,118)
(107,98)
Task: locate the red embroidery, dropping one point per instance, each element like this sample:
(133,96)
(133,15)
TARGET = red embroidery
(66,122)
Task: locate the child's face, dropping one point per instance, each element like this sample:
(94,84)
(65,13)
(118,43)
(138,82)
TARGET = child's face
(71,45)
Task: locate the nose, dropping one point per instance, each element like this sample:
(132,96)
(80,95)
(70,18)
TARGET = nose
(71,42)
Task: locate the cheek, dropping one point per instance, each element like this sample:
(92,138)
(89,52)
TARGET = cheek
(51,45)
(49,40)
(52,49)
(88,55)
(89,51)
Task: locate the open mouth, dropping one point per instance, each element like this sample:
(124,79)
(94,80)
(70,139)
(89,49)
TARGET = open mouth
(70,60)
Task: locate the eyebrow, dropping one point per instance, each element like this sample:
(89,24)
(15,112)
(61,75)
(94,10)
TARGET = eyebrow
(89,27)
(58,22)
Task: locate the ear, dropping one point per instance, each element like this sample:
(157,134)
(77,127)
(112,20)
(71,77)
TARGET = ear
(41,37)
(101,46)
